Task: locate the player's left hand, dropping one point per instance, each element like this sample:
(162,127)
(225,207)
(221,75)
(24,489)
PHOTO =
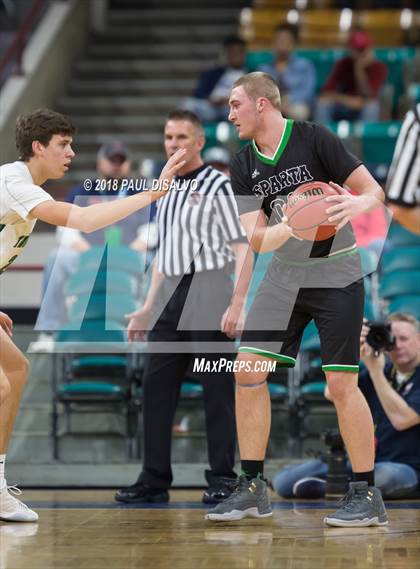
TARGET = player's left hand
(233,321)
(348,208)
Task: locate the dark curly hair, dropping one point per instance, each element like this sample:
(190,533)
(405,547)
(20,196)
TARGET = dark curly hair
(40,125)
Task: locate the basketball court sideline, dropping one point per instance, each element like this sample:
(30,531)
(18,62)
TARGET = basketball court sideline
(87,529)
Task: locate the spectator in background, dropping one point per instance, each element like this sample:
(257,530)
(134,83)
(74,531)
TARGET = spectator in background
(137,232)
(296,76)
(403,183)
(351,91)
(210,98)
(218,158)
(392,390)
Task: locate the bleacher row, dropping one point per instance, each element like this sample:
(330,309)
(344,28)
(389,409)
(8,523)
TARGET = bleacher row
(327,27)
(108,285)
(403,71)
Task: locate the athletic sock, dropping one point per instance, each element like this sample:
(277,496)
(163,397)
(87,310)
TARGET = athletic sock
(2,463)
(368,477)
(252,468)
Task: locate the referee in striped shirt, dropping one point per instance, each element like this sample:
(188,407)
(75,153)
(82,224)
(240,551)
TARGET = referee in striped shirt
(403,184)
(191,302)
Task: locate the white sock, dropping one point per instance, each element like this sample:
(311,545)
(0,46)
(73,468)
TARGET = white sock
(2,463)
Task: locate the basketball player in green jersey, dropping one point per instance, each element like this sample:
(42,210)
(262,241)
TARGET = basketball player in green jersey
(305,281)
(43,140)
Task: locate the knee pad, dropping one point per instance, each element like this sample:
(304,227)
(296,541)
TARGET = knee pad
(252,385)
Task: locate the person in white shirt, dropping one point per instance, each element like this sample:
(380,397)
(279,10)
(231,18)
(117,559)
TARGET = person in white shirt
(43,140)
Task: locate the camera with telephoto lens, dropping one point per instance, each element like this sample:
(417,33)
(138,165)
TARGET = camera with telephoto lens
(336,459)
(380,337)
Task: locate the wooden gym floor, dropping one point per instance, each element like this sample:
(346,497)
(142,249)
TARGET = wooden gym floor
(88,530)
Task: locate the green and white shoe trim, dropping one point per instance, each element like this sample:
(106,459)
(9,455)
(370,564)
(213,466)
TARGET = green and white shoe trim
(284,361)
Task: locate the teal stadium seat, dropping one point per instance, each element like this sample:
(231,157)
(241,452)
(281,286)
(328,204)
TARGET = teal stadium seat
(401,283)
(83,281)
(401,259)
(97,365)
(377,140)
(406,303)
(395,59)
(310,340)
(118,258)
(413,92)
(94,382)
(101,306)
(191,390)
(369,261)
(92,331)
(277,391)
(398,236)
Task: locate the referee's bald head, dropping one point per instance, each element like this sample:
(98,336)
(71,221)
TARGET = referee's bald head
(184,115)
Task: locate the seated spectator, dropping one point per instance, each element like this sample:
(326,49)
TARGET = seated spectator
(403,184)
(392,390)
(351,91)
(296,76)
(137,232)
(211,96)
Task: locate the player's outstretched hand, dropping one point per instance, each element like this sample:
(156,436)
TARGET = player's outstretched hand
(138,324)
(347,208)
(6,323)
(174,163)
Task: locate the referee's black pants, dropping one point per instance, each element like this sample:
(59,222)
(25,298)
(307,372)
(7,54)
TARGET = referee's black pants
(164,373)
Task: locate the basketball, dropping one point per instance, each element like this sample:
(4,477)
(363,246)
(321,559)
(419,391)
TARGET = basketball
(305,211)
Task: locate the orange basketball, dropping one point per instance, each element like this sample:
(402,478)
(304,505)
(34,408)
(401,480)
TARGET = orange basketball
(305,211)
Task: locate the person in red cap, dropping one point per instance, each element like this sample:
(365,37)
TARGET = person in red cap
(351,91)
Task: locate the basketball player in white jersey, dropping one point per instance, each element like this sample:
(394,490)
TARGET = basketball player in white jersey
(43,140)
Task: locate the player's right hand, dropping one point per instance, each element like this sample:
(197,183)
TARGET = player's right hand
(174,163)
(138,324)
(285,222)
(6,323)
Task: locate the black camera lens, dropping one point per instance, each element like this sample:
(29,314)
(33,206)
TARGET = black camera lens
(380,337)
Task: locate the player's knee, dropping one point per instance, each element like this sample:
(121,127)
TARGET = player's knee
(340,385)
(4,389)
(248,371)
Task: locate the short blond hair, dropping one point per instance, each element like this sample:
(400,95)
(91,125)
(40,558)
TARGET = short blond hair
(259,84)
(404,317)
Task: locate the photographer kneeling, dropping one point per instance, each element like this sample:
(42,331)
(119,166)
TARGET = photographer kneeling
(392,389)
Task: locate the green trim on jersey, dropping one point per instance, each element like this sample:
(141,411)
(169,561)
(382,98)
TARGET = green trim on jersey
(331,257)
(286,361)
(280,148)
(340,367)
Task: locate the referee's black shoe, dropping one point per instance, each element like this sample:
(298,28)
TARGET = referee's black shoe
(220,488)
(140,492)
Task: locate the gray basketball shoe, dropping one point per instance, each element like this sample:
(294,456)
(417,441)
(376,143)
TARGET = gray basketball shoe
(249,499)
(362,506)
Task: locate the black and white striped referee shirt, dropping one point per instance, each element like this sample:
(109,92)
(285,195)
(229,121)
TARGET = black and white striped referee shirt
(196,223)
(403,184)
